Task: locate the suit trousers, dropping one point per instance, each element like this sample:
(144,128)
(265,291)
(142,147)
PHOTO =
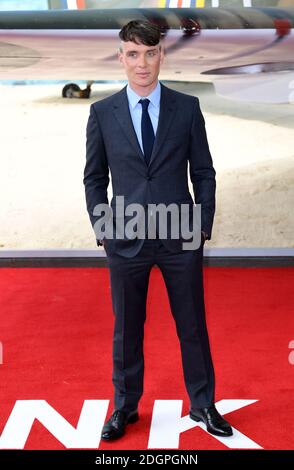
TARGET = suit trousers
(183,276)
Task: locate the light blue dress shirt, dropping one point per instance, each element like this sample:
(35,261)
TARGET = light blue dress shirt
(136,109)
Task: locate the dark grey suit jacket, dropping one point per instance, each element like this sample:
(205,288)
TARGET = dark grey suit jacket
(112,145)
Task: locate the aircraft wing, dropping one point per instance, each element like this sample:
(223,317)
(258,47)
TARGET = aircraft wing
(246,52)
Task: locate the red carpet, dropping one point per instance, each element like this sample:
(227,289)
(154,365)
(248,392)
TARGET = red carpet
(56,330)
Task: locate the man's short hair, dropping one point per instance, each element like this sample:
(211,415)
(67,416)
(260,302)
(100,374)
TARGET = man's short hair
(141,32)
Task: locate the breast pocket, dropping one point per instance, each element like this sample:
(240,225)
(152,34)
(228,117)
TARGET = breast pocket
(179,137)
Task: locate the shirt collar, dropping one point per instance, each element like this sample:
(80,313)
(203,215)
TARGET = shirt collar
(154,96)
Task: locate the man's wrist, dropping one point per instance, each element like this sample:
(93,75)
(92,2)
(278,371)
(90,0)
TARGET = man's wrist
(205,235)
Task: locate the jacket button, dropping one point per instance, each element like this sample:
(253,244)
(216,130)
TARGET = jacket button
(149,178)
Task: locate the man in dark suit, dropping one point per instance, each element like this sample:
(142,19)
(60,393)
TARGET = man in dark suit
(146,134)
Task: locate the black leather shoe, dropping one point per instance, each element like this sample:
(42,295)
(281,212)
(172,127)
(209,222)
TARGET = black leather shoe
(215,423)
(116,425)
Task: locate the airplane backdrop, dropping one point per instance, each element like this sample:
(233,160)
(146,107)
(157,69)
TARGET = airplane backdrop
(245,48)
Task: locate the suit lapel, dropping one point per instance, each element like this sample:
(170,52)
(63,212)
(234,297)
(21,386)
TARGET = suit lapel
(122,114)
(166,115)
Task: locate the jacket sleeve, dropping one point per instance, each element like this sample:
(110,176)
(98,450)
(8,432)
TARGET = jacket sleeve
(96,172)
(202,173)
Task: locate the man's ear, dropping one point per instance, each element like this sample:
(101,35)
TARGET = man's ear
(161,53)
(119,55)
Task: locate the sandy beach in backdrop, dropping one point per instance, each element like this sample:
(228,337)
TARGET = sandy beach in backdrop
(42,154)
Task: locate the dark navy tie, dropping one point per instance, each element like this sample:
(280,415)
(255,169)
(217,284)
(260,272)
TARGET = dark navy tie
(147,131)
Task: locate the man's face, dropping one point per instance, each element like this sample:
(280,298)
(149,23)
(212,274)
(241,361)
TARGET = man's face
(141,63)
